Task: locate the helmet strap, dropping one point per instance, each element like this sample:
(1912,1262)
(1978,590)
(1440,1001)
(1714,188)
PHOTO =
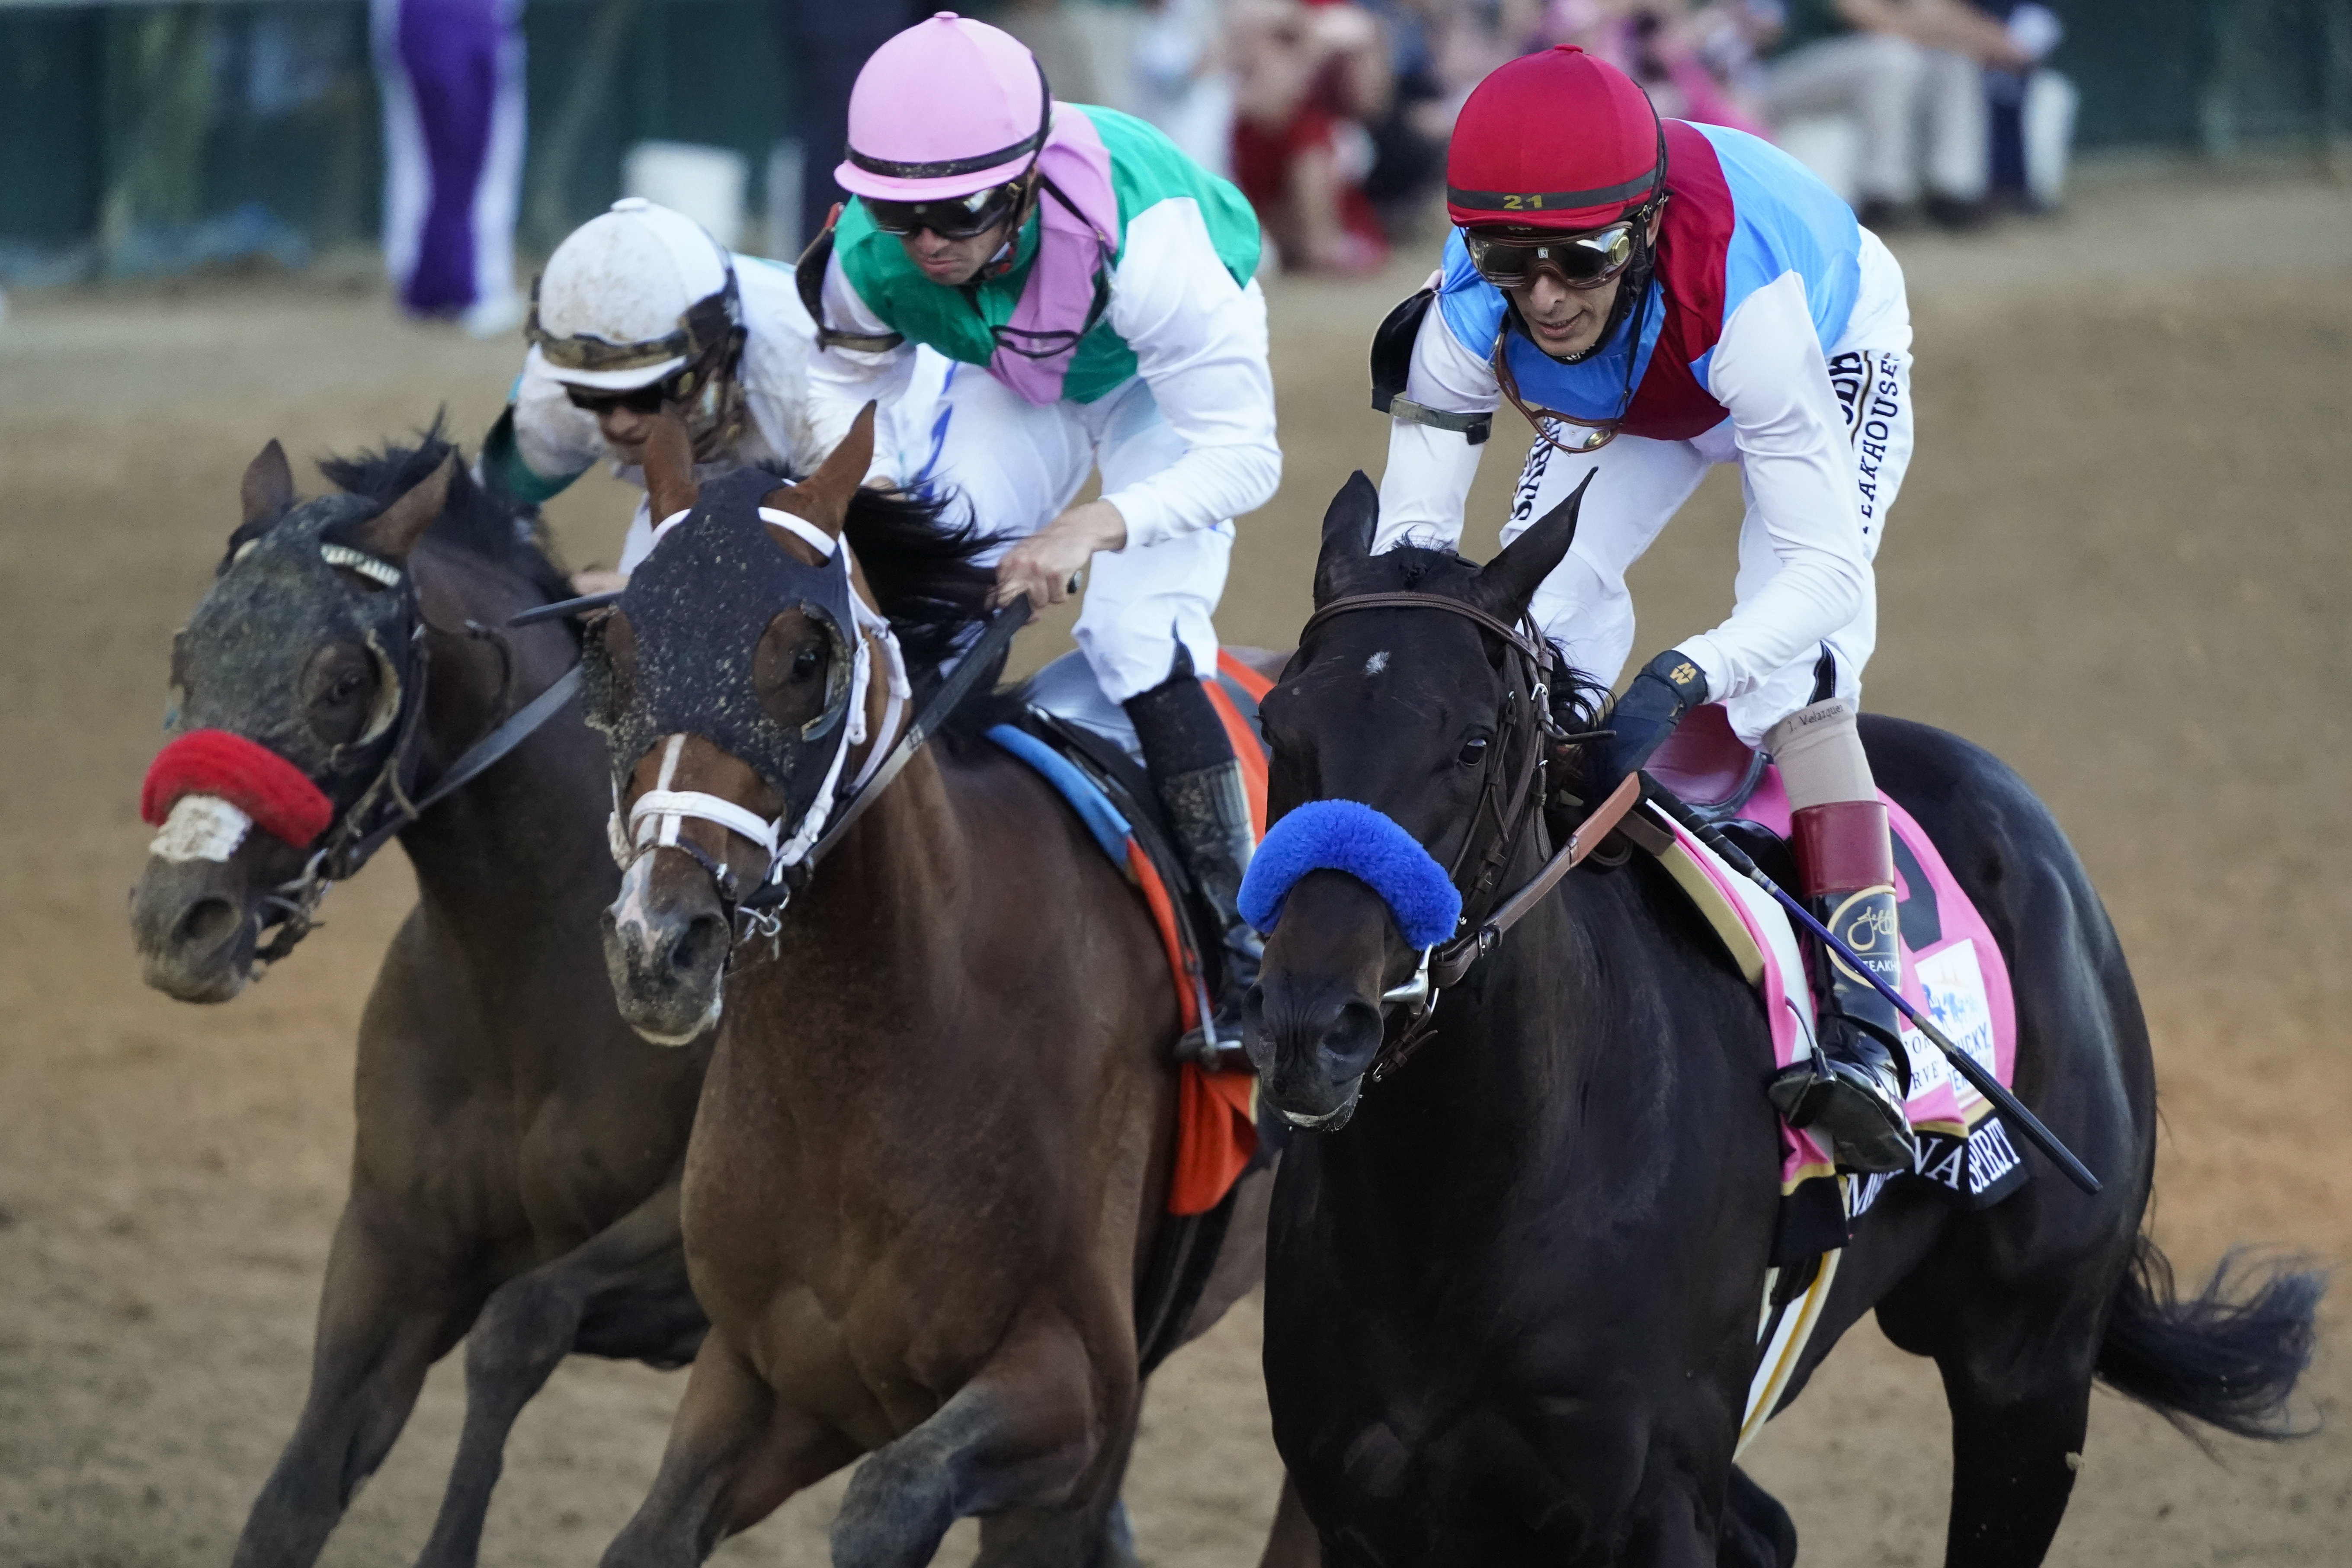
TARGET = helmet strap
(1009,252)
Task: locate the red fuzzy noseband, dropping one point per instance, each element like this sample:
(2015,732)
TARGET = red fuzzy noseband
(249,775)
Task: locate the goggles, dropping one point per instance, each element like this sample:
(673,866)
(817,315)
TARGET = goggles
(650,398)
(954,217)
(1511,258)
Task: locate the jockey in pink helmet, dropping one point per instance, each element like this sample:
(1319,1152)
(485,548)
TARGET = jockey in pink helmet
(1093,286)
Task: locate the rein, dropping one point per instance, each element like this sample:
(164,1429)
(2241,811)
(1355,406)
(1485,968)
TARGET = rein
(1505,812)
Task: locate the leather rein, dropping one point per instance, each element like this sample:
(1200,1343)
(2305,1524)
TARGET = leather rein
(1510,805)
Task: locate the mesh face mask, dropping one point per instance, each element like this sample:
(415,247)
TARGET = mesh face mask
(699,605)
(279,597)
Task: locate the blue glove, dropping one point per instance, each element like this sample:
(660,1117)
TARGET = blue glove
(1669,686)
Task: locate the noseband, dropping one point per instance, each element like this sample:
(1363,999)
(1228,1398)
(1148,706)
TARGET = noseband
(1511,792)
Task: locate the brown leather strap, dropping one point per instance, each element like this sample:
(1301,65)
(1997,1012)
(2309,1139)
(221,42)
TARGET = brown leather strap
(1450,962)
(1539,657)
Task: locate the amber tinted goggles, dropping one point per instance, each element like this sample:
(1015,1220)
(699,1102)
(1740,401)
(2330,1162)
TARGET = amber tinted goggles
(1511,258)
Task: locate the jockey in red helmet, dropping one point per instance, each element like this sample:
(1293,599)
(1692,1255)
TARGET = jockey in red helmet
(1656,297)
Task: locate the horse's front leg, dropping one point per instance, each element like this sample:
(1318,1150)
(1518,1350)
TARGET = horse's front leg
(391,1306)
(621,1293)
(736,1452)
(1019,1440)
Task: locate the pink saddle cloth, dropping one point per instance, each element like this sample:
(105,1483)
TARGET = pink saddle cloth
(1952,970)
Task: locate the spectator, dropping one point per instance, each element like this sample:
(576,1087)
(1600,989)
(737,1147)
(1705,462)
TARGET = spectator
(1309,75)
(827,41)
(1179,81)
(1695,63)
(1893,67)
(2032,112)
(451,73)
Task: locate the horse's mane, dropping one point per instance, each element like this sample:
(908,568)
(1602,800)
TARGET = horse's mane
(480,520)
(924,573)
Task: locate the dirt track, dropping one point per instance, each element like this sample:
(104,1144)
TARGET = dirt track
(2122,560)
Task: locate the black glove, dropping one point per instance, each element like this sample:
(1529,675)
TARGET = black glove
(1669,686)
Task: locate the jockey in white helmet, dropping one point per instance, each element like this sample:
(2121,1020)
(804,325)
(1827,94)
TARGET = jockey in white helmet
(641,309)
(1093,285)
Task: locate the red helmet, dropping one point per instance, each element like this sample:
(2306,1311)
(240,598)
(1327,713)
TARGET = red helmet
(1554,141)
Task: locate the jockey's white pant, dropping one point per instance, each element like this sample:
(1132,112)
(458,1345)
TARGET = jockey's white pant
(1016,466)
(1584,604)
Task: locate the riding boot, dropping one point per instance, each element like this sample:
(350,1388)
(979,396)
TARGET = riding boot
(1199,781)
(1853,1092)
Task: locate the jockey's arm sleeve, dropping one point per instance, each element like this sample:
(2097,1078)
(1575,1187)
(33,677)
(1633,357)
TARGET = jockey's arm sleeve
(540,444)
(1200,344)
(840,381)
(1427,481)
(1798,465)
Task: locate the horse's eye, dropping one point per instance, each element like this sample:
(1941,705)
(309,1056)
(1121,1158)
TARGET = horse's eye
(1473,752)
(806,663)
(347,686)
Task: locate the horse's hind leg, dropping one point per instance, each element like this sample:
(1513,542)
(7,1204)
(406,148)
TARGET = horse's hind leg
(385,1316)
(1757,1531)
(623,1292)
(735,1453)
(2017,1371)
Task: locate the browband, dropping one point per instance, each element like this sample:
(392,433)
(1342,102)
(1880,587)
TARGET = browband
(1540,658)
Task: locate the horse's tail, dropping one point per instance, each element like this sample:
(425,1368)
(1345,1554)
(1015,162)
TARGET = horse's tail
(2227,1356)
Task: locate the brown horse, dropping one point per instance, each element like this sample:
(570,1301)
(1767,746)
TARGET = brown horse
(934,1147)
(515,1178)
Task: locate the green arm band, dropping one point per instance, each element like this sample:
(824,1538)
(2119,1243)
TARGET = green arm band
(502,466)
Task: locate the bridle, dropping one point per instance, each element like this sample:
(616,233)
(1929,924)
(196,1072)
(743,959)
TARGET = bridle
(1511,792)
(655,818)
(389,804)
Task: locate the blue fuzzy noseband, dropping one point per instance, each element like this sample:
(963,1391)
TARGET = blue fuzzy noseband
(1349,836)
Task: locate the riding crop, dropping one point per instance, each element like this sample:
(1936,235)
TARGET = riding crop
(1969,1068)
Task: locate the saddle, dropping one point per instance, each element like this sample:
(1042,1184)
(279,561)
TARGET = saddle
(1081,743)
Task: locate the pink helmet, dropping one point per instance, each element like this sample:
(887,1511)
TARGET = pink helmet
(949,106)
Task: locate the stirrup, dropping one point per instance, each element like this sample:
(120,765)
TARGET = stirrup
(1855,1107)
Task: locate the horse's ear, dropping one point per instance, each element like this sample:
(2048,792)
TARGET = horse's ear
(1347,534)
(824,496)
(670,469)
(1510,580)
(393,532)
(269,487)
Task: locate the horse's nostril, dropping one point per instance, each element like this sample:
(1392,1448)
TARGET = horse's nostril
(701,946)
(207,923)
(1352,1038)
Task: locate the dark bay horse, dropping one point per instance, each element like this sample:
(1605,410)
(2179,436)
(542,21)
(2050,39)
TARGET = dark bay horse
(515,1178)
(1512,1307)
(933,1150)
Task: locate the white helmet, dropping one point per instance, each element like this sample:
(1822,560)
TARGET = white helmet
(632,296)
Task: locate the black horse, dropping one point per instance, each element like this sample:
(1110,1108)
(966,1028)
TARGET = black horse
(515,1177)
(1511,1309)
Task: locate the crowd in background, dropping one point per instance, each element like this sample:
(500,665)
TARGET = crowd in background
(1332,115)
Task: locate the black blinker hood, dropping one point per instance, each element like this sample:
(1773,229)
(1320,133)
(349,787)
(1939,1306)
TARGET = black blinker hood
(699,604)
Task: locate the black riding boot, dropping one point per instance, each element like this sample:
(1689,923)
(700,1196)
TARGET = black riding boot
(1199,781)
(1853,1095)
